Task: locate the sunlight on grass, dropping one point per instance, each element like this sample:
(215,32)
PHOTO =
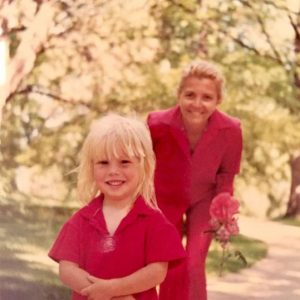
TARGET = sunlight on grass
(25,241)
(253,250)
(289,221)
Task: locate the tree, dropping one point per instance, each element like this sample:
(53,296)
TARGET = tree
(126,55)
(32,43)
(293,208)
(95,56)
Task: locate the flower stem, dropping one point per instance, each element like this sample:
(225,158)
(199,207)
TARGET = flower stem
(222,262)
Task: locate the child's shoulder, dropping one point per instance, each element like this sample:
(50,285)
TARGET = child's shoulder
(87,211)
(154,216)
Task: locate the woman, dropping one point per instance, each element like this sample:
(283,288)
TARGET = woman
(198,152)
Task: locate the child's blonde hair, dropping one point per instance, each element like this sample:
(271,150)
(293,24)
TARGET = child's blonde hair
(203,69)
(111,137)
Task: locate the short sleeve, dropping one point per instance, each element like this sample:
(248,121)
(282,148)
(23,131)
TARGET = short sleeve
(231,160)
(163,242)
(152,128)
(156,128)
(66,246)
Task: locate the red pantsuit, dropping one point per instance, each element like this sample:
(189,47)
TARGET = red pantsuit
(186,183)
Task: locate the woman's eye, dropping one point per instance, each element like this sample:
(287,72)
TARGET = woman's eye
(207,97)
(189,95)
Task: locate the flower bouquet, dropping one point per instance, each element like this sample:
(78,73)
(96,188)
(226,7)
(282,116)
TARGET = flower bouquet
(223,225)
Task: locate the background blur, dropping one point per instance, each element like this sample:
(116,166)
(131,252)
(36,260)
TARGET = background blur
(68,62)
(71,61)
(65,63)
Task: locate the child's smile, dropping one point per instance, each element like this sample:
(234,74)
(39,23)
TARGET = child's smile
(117,178)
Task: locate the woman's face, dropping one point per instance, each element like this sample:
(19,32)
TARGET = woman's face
(197,100)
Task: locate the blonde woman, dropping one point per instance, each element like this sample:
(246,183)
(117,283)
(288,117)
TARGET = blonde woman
(119,245)
(198,153)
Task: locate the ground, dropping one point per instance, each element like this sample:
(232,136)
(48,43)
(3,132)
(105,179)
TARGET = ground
(26,272)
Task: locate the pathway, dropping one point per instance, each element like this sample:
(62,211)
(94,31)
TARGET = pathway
(276,277)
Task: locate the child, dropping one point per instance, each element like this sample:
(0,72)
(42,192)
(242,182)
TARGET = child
(119,245)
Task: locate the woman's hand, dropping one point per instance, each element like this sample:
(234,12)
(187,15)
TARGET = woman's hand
(124,298)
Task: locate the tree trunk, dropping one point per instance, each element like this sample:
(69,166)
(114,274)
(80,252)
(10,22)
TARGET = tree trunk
(32,43)
(293,209)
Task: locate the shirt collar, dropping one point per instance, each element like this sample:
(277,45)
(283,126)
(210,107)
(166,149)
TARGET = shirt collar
(94,206)
(216,121)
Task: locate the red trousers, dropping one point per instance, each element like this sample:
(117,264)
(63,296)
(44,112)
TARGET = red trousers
(187,281)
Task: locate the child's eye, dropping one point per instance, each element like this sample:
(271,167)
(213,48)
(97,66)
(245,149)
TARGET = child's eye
(102,162)
(125,161)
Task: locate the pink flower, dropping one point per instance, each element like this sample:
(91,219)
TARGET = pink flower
(233,227)
(223,221)
(223,207)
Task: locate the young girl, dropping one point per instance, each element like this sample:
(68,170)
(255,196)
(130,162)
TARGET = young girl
(119,245)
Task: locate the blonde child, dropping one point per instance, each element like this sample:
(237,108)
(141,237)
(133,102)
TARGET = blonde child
(119,245)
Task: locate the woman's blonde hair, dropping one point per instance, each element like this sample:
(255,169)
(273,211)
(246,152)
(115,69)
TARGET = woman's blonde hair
(111,137)
(203,69)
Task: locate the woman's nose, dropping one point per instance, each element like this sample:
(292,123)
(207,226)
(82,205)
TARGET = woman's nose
(198,102)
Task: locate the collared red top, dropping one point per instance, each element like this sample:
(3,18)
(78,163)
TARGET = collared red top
(183,179)
(144,236)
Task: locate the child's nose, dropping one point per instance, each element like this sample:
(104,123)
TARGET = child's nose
(113,168)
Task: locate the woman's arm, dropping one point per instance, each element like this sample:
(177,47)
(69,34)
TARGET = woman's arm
(72,276)
(231,161)
(139,281)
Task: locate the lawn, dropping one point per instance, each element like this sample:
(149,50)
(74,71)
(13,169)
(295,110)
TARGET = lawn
(289,221)
(252,250)
(26,272)
(26,236)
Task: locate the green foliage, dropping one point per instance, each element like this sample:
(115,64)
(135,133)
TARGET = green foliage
(252,250)
(289,221)
(127,56)
(178,28)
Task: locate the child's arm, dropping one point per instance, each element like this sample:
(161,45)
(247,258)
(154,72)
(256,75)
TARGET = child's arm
(139,281)
(77,279)
(72,276)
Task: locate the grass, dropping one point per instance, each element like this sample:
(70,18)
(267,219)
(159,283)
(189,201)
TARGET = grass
(27,273)
(251,249)
(289,221)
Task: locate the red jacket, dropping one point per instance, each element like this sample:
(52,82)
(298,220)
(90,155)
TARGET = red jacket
(183,179)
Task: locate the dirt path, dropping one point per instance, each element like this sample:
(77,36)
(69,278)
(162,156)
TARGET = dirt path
(276,277)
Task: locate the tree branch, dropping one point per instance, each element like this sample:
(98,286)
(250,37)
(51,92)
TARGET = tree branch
(31,44)
(41,91)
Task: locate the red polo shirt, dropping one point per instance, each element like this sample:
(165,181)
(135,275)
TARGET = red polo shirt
(183,179)
(143,236)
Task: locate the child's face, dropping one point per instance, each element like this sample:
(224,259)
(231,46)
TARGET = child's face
(117,178)
(198,99)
